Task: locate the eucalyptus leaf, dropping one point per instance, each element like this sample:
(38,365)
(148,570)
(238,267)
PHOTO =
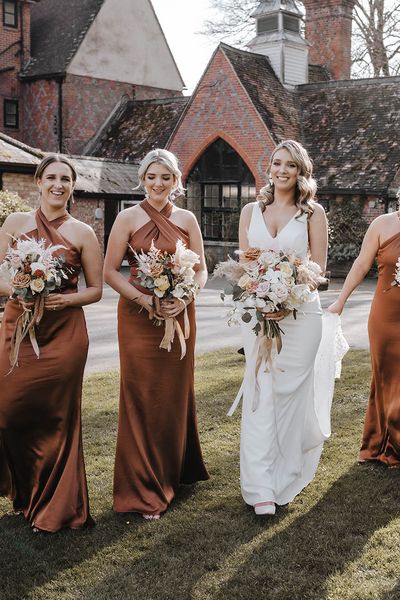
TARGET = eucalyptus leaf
(246,317)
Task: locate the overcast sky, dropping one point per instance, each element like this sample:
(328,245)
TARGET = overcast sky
(180,20)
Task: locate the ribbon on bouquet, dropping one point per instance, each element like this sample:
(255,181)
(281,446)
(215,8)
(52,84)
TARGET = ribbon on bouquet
(25,325)
(269,333)
(173,326)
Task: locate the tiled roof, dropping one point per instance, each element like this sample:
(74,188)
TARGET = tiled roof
(58,28)
(352,131)
(140,126)
(275,104)
(95,176)
(318,73)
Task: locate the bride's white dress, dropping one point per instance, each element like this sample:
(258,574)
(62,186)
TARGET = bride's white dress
(282,438)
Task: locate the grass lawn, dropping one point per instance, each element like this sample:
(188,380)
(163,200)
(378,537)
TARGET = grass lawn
(338,540)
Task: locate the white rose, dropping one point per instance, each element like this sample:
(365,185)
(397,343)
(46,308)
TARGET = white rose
(280,291)
(37,285)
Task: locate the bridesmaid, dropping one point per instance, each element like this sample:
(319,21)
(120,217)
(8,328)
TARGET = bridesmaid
(158,445)
(41,457)
(381,435)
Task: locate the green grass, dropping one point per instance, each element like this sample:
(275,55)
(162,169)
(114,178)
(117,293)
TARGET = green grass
(338,540)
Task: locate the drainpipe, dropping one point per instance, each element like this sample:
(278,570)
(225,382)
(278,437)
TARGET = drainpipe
(60,115)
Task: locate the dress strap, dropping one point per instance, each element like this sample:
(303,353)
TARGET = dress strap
(160,219)
(49,229)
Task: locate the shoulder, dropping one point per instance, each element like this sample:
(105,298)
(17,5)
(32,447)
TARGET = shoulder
(84,231)
(15,222)
(318,211)
(186,217)
(247,209)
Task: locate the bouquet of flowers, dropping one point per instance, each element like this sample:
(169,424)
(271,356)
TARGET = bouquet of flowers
(33,271)
(268,281)
(396,280)
(169,276)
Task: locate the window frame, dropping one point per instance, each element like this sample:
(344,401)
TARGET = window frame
(10,102)
(13,25)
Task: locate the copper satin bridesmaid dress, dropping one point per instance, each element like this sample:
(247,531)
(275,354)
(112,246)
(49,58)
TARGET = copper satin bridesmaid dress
(41,458)
(381,435)
(158,445)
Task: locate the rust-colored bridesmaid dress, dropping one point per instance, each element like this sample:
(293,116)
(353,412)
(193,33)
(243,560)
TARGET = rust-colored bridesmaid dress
(158,445)
(381,436)
(41,458)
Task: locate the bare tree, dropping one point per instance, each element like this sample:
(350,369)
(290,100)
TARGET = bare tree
(376,38)
(376,32)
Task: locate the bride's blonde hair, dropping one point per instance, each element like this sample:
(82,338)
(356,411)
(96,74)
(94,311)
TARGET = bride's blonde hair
(306,186)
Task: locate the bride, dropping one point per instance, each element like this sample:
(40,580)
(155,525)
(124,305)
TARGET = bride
(281,440)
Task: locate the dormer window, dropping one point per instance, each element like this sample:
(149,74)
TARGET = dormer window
(268,24)
(10,13)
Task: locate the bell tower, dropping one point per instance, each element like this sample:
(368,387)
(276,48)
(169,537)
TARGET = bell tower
(279,37)
(328,31)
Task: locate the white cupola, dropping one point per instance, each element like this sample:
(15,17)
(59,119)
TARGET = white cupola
(279,37)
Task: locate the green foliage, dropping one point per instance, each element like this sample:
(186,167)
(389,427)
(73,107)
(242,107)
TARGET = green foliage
(347,228)
(10,202)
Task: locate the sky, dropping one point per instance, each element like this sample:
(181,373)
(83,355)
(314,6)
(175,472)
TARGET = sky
(180,20)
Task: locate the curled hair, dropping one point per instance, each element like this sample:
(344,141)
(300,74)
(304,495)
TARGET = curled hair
(52,158)
(306,186)
(168,160)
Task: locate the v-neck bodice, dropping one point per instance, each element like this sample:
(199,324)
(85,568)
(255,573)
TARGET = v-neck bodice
(293,236)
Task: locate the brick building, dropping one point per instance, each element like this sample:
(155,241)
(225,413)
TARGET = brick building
(286,86)
(248,101)
(67,65)
(103,186)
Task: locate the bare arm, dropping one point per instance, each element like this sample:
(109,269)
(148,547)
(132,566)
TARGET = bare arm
(244,223)
(116,250)
(92,269)
(318,236)
(361,266)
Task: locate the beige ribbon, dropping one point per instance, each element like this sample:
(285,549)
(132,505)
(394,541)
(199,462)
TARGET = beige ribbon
(172,325)
(25,325)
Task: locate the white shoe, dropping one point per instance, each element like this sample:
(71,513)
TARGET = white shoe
(264,508)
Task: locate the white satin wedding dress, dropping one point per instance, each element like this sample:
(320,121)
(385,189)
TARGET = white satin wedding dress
(283,429)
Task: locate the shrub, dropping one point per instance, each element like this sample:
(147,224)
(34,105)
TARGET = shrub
(10,202)
(347,228)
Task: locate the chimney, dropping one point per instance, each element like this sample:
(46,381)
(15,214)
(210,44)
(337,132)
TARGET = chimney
(328,31)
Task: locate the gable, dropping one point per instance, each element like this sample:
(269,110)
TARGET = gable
(125,43)
(54,37)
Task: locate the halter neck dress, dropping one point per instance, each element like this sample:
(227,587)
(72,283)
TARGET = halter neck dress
(381,435)
(158,444)
(282,439)
(41,457)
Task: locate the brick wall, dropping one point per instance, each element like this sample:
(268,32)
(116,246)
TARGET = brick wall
(24,185)
(221,108)
(41,114)
(143,92)
(84,210)
(328,29)
(12,56)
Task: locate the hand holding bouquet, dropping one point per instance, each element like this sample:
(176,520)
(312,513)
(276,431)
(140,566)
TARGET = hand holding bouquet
(268,282)
(33,271)
(169,276)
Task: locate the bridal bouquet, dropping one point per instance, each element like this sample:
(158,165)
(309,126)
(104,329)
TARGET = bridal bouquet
(169,276)
(33,271)
(396,280)
(268,281)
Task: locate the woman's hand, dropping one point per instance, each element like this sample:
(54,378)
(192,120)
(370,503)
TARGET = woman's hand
(276,316)
(57,301)
(335,308)
(172,308)
(26,304)
(146,301)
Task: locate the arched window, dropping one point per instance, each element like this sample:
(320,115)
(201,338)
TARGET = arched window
(219,185)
